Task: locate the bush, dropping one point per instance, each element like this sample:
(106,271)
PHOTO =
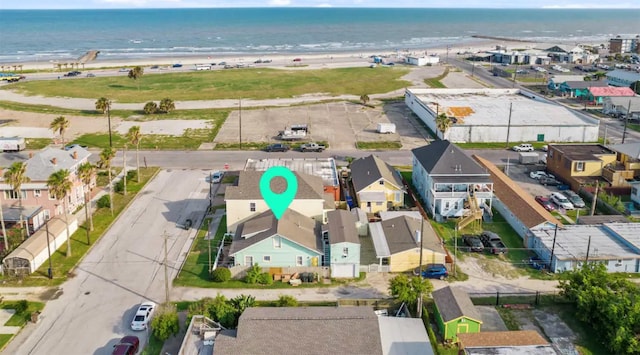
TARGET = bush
(119,186)
(286,301)
(265,279)
(132,174)
(253,274)
(165,324)
(21,306)
(221,274)
(104,202)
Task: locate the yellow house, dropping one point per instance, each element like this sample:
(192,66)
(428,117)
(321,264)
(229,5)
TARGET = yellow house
(576,163)
(397,240)
(377,185)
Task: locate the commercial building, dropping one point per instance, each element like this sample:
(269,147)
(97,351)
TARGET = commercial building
(500,115)
(621,77)
(624,45)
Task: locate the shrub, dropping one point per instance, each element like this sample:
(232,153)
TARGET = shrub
(165,324)
(119,186)
(132,175)
(221,274)
(150,108)
(265,279)
(253,274)
(21,306)
(286,301)
(104,202)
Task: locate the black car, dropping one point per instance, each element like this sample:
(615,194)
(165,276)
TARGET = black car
(473,242)
(277,147)
(547,181)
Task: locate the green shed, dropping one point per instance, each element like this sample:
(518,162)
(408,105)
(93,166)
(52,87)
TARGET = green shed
(455,313)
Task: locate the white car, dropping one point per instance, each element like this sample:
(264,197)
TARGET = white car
(143,316)
(524,147)
(561,201)
(538,174)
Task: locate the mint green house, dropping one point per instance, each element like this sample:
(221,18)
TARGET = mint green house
(455,313)
(288,242)
(341,244)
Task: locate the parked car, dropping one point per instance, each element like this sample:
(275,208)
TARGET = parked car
(561,201)
(493,242)
(216,177)
(540,173)
(277,147)
(127,346)
(473,242)
(548,181)
(143,316)
(297,59)
(545,148)
(546,203)
(574,198)
(91,75)
(222,63)
(123,70)
(524,147)
(433,271)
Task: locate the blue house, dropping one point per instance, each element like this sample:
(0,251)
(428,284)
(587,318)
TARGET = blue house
(291,241)
(341,244)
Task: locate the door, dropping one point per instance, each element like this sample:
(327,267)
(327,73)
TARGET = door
(248,260)
(343,270)
(462,328)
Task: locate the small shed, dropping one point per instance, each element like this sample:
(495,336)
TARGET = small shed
(455,313)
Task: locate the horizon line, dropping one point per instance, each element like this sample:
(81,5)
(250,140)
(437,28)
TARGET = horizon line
(546,7)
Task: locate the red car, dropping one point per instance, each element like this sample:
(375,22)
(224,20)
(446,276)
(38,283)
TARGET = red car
(546,203)
(127,346)
(297,60)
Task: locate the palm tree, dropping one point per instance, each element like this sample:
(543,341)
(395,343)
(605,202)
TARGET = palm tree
(86,172)
(103,104)
(364,99)
(16,176)
(4,230)
(106,156)
(59,186)
(135,136)
(443,123)
(150,108)
(167,105)
(59,125)
(136,73)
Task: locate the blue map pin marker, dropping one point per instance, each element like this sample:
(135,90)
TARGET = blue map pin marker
(278,202)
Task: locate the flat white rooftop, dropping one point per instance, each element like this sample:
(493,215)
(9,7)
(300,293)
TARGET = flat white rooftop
(490,107)
(324,168)
(628,231)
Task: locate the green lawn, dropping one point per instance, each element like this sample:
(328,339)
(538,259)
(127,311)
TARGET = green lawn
(436,82)
(20,319)
(37,143)
(379,145)
(4,340)
(255,83)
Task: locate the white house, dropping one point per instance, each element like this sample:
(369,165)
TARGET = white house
(422,61)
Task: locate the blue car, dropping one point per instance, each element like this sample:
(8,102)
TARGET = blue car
(177,65)
(433,271)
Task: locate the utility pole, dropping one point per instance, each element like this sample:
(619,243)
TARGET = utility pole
(109,121)
(626,120)
(124,168)
(166,271)
(586,259)
(553,247)
(240,123)
(50,271)
(209,238)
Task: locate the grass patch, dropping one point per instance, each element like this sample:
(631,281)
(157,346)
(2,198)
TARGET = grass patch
(510,320)
(102,219)
(587,342)
(37,143)
(244,146)
(4,340)
(379,145)
(195,269)
(153,347)
(498,145)
(435,82)
(191,139)
(254,83)
(20,319)
(633,126)
(229,179)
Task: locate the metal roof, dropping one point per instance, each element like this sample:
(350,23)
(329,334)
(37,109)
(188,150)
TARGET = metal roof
(630,232)
(403,336)
(625,75)
(324,168)
(379,240)
(36,243)
(623,103)
(612,91)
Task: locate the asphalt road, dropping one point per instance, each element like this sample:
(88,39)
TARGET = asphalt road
(96,306)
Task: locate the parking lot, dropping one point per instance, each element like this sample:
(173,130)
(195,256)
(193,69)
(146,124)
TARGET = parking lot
(341,124)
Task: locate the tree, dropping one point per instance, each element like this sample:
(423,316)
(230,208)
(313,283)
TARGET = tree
(134,135)
(167,105)
(4,229)
(136,73)
(599,75)
(86,172)
(165,324)
(59,125)
(103,104)
(364,99)
(106,156)
(443,123)
(15,176)
(587,78)
(150,108)
(407,289)
(59,186)
(243,302)
(286,301)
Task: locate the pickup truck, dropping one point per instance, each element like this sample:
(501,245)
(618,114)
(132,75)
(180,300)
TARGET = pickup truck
(493,242)
(312,147)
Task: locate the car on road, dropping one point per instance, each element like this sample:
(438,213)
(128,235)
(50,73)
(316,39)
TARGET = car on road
(177,65)
(277,147)
(548,181)
(127,346)
(123,70)
(91,75)
(540,173)
(546,203)
(433,271)
(524,147)
(72,73)
(143,316)
(216,177)
(297,59)
(154,67)
(574,198)
(522,71)
(473,242)
(561,201)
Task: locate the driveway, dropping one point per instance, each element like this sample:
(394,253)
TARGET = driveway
(95,306)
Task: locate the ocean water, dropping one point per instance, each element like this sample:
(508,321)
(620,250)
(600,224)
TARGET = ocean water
(45,35)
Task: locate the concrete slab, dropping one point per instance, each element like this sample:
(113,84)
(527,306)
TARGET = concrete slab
(164,127)
(26,132)
(491,320)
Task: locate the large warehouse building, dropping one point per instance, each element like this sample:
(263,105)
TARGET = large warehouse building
(500,115)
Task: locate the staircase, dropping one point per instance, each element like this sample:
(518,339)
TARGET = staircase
(474,215)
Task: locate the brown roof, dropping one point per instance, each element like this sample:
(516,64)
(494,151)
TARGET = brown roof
(582,151)
(248,188)
(519,201)
(303,330)
(495,339)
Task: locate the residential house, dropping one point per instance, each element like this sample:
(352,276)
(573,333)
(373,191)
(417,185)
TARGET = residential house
(378,186)
(38,204)
(635,193)
(597,95)
(290,241)
(556,80)
(341,244)
(245,199)
(580,164)
(455,313)
(505,342)
(623,78)
(628,159)
(579,89)
(624,45)
(622,106)
(398,240)
(447,180)
(568,53)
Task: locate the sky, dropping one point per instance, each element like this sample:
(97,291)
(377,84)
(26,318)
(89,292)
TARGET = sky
(110,4)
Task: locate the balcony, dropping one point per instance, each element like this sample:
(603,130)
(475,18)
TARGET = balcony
(617,174)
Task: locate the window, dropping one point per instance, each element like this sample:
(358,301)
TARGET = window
(345,252)
(277,242)
(398,196)
(634,191)
(298,260)
(456,205)
(579,166)
(51,195)
(248,260)
(37,193)
(368,203)
(12,195)
(266,258)
(47,215)
(446,205)
(381,182)
(252,207)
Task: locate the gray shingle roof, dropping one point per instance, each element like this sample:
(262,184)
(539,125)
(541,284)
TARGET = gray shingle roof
(303,330)
(41,166)
(632,150)
(293,226)
(309,187)
(453,302)
(400,233)
(585,84)
(342,227)
(366,171)
(444,158)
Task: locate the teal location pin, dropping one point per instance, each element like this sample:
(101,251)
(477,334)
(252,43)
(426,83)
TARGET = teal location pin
(278,202)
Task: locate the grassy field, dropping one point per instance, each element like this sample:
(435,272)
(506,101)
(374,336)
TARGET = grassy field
(436,82)
(379,145)
(255,83)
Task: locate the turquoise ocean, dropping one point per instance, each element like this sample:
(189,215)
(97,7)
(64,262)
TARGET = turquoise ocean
(44,35)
